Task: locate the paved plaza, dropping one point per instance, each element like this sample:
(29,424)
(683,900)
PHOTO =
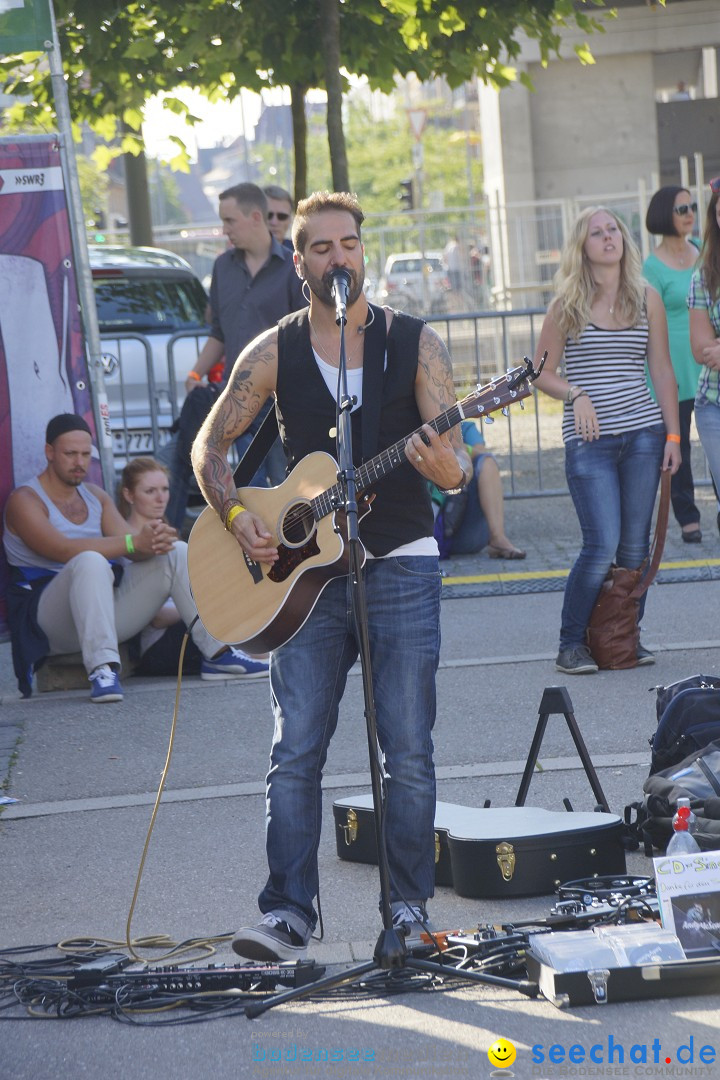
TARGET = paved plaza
(85,779)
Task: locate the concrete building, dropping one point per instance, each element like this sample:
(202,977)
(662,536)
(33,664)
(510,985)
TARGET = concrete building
(618,126)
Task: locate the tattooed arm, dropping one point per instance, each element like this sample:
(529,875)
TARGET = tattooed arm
(252,381)
(443,457)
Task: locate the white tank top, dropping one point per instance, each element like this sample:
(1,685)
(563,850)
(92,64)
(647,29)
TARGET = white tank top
(17,551)
(424,545)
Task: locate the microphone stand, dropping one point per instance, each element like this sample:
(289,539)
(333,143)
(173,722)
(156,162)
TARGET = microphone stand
(390,951)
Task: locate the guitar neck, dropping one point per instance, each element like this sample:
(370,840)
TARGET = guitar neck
(501,392)
(383,463)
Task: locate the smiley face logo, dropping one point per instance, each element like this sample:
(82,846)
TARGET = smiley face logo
(501,1054)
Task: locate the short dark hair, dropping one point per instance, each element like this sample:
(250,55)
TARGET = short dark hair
(660,219)
(248,197)
(318,203)
(64,422)
(274,191)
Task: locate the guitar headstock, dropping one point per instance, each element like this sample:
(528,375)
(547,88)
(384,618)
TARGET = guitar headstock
(502,391)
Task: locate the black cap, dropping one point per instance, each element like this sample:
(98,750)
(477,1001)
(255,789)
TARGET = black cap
(60,425)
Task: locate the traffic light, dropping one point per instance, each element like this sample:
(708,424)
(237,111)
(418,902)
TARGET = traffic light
(406,195)
(99,224)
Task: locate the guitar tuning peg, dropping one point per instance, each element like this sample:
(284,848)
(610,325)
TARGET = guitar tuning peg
(505,411)
(489,420)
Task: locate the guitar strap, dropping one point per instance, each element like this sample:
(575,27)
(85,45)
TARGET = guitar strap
(373,374)
(257,451)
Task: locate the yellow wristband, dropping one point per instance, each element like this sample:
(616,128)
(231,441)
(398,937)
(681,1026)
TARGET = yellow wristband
(129,545)
(232,513)
(672,438)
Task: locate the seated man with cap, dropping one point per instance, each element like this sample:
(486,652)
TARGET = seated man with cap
(81,582)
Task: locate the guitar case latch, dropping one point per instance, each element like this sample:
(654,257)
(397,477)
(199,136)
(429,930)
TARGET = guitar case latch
(505,854)
(350,829)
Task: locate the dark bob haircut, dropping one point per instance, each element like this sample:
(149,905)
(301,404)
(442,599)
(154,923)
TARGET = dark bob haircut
(659,219)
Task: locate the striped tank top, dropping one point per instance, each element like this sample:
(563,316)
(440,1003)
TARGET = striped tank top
(610,365)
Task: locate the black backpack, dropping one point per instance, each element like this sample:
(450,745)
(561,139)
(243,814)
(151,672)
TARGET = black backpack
(688,715)
(696,778)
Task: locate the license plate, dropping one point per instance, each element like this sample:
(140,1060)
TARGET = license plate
(138,441)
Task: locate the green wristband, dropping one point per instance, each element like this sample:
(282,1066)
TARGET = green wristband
(129,545)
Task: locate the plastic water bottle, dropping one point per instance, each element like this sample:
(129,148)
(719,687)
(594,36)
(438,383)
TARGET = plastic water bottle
(682,842)
(686,812)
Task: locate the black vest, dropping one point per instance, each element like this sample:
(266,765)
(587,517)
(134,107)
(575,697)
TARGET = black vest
(401,511)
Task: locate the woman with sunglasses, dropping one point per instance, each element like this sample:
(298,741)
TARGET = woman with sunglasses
(606,324)
(668,268)
(704,303)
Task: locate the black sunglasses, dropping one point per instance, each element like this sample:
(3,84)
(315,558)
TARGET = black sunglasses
(686,208)
(279,214)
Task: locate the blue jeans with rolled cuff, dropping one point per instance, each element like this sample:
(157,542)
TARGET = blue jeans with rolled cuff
(613,482)
(307,678)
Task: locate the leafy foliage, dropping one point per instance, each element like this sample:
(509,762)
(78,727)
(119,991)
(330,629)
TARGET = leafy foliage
(118,54)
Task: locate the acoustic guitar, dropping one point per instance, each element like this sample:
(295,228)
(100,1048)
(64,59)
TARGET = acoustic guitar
(260,606)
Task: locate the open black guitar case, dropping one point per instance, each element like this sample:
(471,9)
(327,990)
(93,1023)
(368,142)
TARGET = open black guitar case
(506,851)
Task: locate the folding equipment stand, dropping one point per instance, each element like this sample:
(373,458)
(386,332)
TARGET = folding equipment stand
(556,699)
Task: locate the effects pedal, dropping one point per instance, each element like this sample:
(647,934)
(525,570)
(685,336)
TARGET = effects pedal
(214,979)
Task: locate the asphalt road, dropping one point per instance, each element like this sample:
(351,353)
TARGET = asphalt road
(85,779)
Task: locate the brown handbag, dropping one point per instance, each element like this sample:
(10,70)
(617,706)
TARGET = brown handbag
(613,634)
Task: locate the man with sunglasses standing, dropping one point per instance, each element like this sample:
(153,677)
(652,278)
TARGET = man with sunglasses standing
(280,212)
(253,285)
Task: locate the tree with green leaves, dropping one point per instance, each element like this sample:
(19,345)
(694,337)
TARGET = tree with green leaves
(118,55)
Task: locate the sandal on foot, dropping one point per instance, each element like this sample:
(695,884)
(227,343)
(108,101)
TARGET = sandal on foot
(504,552)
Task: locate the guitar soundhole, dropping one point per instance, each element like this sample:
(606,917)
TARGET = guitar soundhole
(297,524)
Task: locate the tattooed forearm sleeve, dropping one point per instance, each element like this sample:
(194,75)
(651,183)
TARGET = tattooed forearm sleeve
(435,389)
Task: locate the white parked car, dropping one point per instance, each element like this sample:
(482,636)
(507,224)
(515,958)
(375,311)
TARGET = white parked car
(143,297)
(416,284)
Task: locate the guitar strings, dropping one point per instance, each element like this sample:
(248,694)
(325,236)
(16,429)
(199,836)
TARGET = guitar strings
(302,515)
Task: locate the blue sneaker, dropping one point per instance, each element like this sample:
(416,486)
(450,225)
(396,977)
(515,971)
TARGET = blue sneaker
(234,664)
(105,685)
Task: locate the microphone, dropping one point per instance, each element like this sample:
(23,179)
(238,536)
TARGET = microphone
(340,284)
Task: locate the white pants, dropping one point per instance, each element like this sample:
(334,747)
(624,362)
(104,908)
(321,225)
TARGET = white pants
(81,611)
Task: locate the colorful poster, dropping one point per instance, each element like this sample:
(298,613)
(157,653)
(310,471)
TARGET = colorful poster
(43,364)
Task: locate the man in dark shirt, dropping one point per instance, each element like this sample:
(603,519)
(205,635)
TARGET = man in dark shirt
(253,285)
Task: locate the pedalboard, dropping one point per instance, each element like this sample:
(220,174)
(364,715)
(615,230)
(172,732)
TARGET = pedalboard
(215,978)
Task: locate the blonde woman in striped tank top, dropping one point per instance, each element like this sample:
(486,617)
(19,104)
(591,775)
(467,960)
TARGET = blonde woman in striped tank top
(601,329)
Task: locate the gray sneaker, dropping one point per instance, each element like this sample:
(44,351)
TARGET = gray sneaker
(271,939)
(644,656)
(412,921)
(576,660)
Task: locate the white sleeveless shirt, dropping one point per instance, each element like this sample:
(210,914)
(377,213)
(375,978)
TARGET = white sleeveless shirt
(17,551)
